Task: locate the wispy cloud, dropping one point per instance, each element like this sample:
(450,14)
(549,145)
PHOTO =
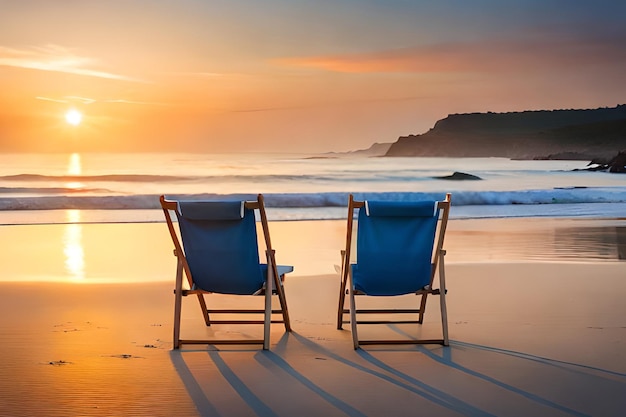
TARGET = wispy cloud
(55,58)
(206,74)
(326,104)
(485,56)
(83,100)
(54,100)
(68,99)
(87,101)
(124,101)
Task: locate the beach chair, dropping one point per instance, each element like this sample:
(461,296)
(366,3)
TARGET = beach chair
(399,248)
(219,254)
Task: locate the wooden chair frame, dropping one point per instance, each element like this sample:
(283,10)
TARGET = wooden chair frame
(443,208)
(273,286)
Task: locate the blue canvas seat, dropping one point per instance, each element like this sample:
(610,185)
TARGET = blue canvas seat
(217,250)
(399,248)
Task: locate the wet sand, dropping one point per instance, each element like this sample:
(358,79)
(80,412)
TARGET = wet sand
(117,252)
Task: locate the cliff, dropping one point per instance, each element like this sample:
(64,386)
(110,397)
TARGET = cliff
(377,149)
(588,133)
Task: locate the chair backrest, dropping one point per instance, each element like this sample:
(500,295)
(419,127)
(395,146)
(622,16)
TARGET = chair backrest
(219,241)
(397,245)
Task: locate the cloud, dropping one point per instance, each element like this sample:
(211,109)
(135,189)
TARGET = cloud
(340,103)
(86,100)
(486,56)
(124,101)
(203,74)
(54,100)
(55,58)
(83,100)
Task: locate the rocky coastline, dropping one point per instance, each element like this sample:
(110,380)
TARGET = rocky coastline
(575,134)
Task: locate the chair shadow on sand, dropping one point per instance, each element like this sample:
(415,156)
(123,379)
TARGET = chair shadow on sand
(268,360)
(378,363)
(445,357)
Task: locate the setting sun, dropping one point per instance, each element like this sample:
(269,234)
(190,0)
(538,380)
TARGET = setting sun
(73,117)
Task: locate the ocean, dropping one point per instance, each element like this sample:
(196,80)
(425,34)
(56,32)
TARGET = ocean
(95,218)
(112,188)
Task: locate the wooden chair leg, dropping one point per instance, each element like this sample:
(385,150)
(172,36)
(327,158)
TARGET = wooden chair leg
(278,286)
(442,301)
(342,291)
(268,307)
(420,319)
(283,303)
(178,296)
(203,307)
(355,336)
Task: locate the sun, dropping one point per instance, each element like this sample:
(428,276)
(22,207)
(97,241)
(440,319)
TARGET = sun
(73,117)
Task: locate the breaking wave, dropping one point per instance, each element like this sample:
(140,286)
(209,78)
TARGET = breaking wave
(575,195)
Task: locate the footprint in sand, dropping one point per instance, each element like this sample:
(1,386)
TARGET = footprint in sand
(58,363)
(126,356)
(75,327)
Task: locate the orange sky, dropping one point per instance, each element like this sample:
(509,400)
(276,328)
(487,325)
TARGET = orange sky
(289,75)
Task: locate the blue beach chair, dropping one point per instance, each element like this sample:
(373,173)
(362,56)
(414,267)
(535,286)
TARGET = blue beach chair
(399,248)
(220,254)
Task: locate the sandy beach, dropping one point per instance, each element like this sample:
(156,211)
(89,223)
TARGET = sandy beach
(86,323)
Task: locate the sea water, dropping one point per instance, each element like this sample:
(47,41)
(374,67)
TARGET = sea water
(86,217)
(42,188)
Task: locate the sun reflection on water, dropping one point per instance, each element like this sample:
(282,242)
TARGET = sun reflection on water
(74,167)
(73,246)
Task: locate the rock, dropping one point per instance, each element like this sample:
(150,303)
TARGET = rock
(565,156)
(459,176)
(593,167)
(618,164)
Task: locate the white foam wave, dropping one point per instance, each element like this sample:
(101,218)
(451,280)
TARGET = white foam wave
(322,200)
